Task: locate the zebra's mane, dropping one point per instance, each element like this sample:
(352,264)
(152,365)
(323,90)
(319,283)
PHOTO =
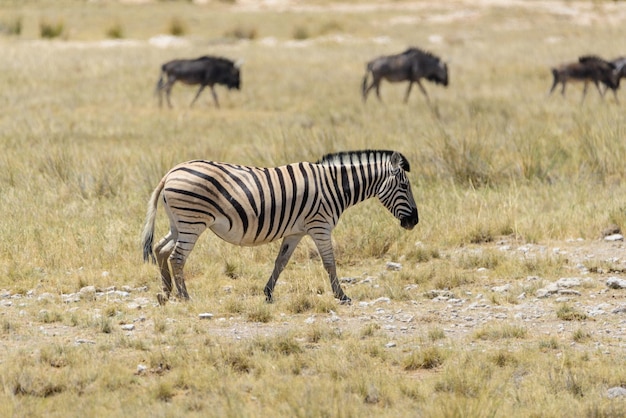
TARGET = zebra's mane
(351,157)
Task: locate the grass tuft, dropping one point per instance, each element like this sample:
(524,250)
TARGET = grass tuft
(568,313)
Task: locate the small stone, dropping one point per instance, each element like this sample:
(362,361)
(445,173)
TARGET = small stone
(390,344)
(501,289)
(46,296)
(619,309)
(141,368)
(88,292)
(205,315)
(394,266)
(569,292)
(614,237)
(616,392)
(568,282)
(121,293)
(128,327)
(616,283)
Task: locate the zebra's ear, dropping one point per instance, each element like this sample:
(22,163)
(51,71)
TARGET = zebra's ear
(398,161)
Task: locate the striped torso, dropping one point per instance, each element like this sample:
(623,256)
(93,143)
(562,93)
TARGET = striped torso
(251,206)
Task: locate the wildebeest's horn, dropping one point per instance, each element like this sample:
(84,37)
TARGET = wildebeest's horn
(239,63)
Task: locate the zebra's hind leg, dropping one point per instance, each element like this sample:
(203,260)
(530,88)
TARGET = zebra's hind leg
(286,250)
(183,247)
(162,251)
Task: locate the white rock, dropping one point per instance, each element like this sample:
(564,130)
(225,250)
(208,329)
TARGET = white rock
(128,327)
(619,309)
(616,283)
(501,289)
(205,315)
(616,392)
(394,266)
(568,282)
(614,237)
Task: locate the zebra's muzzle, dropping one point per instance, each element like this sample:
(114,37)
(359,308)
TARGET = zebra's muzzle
(409,222)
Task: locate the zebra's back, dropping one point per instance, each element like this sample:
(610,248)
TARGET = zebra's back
(243,205)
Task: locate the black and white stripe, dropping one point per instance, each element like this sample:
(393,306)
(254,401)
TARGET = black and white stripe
(252,206)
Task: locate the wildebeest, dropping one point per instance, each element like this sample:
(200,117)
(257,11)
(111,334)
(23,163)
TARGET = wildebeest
(412,65)
(589,68)
(205,70)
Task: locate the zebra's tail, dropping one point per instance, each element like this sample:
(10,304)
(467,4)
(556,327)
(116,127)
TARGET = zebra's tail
(148,229)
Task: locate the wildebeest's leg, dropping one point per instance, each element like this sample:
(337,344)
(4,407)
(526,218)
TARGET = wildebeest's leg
(168,89)
(368,88)
(422,89)
(159,89)
(197,94)
(325,248)
(598,87)
(214,94)
(408,91)
(614,94)
(554,84)
(584,91)
(376,84)
(286,250)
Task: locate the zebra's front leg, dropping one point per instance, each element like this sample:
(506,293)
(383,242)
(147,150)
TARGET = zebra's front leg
(286,250)
(325,248)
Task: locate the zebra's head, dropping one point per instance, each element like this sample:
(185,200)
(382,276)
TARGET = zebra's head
(395,192)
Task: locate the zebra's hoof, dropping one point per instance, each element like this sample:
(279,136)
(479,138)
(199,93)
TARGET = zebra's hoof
(344,300)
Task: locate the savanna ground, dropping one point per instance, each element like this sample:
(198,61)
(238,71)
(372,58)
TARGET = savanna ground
(514,189)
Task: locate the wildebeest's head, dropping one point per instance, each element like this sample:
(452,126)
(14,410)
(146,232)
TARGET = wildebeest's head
(439,74)
(230,75)
(428,65)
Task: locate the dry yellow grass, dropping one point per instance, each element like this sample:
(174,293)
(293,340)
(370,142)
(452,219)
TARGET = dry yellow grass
(494,161)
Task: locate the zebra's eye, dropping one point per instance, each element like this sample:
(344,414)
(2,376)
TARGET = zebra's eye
(404,186)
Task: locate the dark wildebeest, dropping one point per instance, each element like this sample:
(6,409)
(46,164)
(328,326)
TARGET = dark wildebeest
(589,68)
(411,65)
(206,71)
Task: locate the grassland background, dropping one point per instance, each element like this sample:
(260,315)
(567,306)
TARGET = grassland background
(493,157)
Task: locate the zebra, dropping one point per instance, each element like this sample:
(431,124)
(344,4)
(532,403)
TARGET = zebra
(251,206)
